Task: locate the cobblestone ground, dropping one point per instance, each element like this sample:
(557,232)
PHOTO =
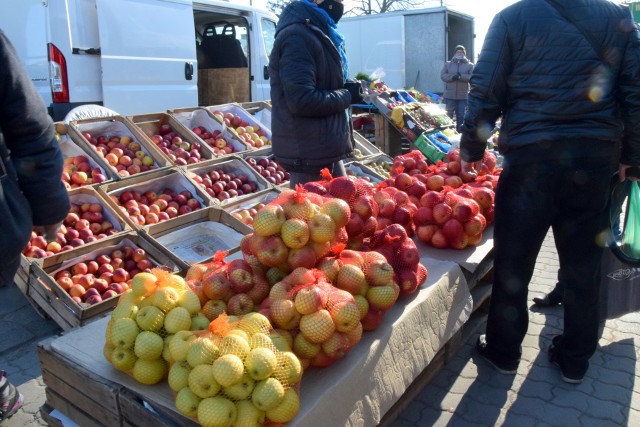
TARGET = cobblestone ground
(469,392)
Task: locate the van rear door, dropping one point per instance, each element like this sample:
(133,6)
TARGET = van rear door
(148,55)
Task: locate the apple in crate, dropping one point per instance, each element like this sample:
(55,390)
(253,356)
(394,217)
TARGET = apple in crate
(150,207)
(84,223)
(246,215)
(123,154)
(223,185)
(215,140)
(270,169)
(77,171)
(95,280)
(251,134)
(181,152)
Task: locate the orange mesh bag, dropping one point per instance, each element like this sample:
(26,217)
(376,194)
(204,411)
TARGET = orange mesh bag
(148,316)
(238,373)
(323,321)
(294,230)
(395,207)
(402,253)
(413,160)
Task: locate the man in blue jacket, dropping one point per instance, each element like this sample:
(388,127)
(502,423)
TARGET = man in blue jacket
(565,77)
(31,189)
(310,123)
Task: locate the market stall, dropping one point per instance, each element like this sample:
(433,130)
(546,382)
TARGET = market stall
(360,388)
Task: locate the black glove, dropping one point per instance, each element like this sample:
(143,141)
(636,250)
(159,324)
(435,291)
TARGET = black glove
(456,77)
(355,89)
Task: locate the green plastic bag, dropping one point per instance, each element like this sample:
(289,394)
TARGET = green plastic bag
(631,239)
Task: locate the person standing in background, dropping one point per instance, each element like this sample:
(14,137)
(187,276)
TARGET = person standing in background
(310,121)
(31,188)
(565,77)
(456,75)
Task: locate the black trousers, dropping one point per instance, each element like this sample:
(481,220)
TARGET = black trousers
(568,195)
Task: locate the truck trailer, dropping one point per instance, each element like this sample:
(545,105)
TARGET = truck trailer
(409,47)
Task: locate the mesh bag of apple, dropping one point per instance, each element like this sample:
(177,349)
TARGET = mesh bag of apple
(155,310)
(87,221)
(368,277)
(239,372)
(358,193)
(323,321)
(235,287)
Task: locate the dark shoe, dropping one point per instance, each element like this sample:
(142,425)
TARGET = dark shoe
(553,358)
(550,300)
(507,368)
(13,399)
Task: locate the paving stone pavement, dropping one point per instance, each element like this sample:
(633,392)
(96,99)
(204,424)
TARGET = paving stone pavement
(466,392)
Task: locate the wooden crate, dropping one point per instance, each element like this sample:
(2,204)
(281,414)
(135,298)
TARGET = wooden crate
(43,290)
(86,398)
(229,164)
(150,124)
(116,126)
(190,118)
(193,248)
(172,178)
(220,85)
(77,196)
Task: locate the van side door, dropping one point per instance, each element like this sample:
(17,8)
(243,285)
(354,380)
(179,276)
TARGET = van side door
(148,55)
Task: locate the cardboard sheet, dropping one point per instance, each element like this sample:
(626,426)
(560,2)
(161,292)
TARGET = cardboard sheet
(357,390)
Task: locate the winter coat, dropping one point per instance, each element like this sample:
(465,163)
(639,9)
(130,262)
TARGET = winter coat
(456,89)
(543,76)
(31,190)
(310,125)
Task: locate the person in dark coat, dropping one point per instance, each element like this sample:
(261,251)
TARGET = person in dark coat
(569,97)
(310,122)
(31,188)
(456,75)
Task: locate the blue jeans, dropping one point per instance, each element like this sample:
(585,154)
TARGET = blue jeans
(571,197)
(456,107)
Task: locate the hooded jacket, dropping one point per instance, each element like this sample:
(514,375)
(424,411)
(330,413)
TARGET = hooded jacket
(548,83)
(31,190)
(456,89)
(309,123)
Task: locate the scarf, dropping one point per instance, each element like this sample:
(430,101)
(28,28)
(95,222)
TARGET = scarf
(336,38)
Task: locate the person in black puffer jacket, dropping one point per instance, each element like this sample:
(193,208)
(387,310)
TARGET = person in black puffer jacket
(31,188)
(569,97)
(310,123)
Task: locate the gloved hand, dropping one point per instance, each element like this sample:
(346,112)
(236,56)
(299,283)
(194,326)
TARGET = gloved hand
(456,77)
(50,232)
(355,89)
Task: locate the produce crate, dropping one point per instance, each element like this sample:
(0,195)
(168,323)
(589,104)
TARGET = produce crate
(70,149)
(59,305)
(429,149)
(191,118)
(93,396)
(366,148)
(261,110)
(195,237)
(237,110)
(116,126)
(172,179)
(151,124)
(78,196)
(231,164)
(360,171)
(366,164)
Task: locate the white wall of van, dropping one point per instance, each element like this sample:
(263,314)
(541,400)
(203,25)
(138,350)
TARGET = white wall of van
(136,56)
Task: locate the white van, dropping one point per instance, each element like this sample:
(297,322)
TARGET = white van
(141,56)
